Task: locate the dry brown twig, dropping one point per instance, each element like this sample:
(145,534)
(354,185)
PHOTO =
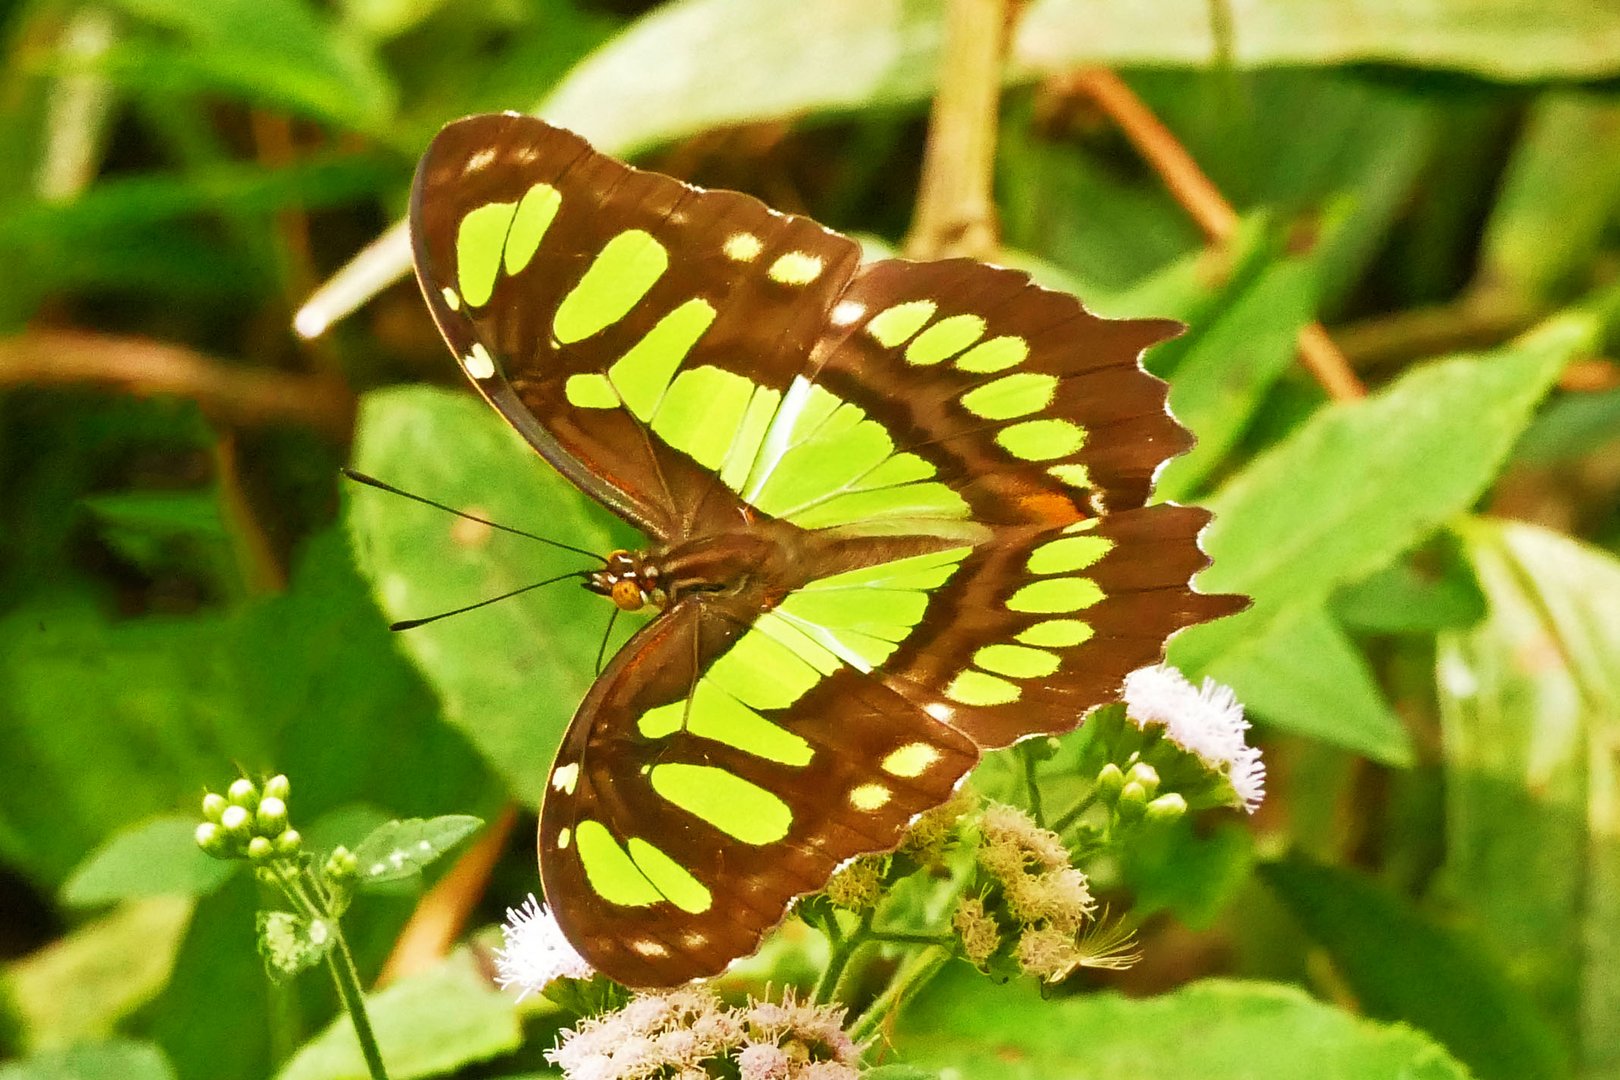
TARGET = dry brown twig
(236,395)
(1203,202)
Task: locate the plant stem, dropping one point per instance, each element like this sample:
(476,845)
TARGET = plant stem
(842,950)
(341,963)
(905,937)
(1033,785)
(1073,814)
(955,213)
(923,967)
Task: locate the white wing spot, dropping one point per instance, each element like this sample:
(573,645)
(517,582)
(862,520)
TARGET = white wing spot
(742,247)
(478,363)
(847,312)
(869,797)
(452,299)
(563,837)
(647,947)
(565,777)
(939,711)
(796,268)
(479,160)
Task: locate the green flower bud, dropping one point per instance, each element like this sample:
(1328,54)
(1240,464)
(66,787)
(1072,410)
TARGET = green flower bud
(213,806)
(236,821)
(211,838)
(271,817)
(277,787)
(341,865)
(1109,782)
(266,875)
(1166,808)
(289,842)
(1144,774)
(1133,799)
(243,793)
(260,850)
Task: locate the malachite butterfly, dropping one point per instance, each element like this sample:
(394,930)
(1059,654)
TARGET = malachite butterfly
(896,516)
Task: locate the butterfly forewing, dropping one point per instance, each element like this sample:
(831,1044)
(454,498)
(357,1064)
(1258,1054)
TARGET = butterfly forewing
(950,464)
(627,324)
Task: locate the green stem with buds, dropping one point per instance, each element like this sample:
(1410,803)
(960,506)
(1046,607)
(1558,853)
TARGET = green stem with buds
(1075,812)
(843,949)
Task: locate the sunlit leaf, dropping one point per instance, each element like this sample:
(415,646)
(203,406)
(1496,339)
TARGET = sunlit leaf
(157,857)
(1214,1030)
(426,1025)
(509,674)
(1530,712)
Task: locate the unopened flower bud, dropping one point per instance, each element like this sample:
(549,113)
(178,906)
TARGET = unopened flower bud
(213,805)
(277,787)
(211,838)
(260,850)
(1144,774)
(341,865)
(266,875)
(1132,802)
(236,821)
(271,817)
(1109,781)
(1166,808)
(243,793)
(290,841)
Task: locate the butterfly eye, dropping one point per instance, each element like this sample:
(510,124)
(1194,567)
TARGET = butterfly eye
(627,594)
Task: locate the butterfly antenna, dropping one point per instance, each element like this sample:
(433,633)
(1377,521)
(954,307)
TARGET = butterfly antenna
(381,485)
(601,652)
(411,624)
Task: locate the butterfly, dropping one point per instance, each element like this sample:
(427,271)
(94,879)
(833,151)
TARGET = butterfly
(896,516)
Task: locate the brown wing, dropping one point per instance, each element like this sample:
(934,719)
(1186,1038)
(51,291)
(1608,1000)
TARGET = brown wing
(558,274)
(685,815)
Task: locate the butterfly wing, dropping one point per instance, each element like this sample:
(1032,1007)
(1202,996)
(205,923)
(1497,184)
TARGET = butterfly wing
(611,313)
(687,811)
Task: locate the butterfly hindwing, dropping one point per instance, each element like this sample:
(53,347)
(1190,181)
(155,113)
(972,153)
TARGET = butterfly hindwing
(686,813)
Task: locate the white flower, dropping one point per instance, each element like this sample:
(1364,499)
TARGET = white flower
(536,952)
(1207,721)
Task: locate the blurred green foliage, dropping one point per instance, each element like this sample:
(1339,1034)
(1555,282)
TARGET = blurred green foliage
(184,589)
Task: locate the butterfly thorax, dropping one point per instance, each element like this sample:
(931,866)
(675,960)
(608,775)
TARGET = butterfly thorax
(729,563)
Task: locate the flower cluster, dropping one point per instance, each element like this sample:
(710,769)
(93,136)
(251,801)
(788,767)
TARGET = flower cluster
(248,822)
(689,1034)
(1034,900)
(535,953)
(1205,721)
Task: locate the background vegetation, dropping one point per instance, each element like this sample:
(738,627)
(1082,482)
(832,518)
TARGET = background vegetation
(1433,657)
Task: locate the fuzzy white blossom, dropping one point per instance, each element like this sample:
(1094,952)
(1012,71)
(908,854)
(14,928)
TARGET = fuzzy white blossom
(535,951)
(1206,721)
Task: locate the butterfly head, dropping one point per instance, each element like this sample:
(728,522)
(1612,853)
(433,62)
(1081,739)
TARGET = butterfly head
(629,579)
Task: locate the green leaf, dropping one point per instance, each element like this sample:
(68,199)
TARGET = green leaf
(153,858)
(509,675)
(1433,590)
(1507,39)
(282,53)
(1303,675)
(291,943)
(115,1059)
(1229,362)
(81,985)
(1213,1030)
(1361,482)
(1530,716)
(426,1025)
(1192,873)
(400,849)
(1403,967)
(1562,188)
